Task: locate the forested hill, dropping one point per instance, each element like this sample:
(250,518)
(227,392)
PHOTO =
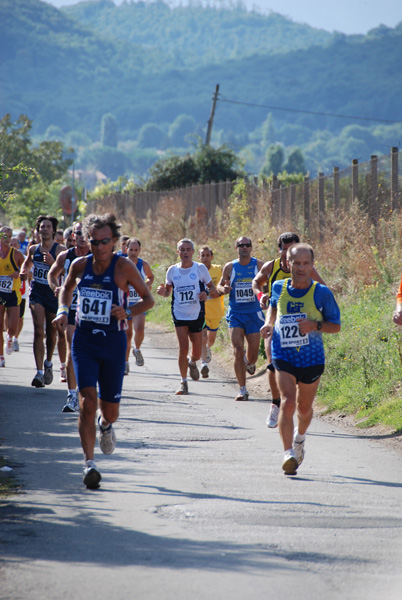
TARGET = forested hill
(67,69)
(195,35)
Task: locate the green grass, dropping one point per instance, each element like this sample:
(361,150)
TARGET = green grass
(363,363)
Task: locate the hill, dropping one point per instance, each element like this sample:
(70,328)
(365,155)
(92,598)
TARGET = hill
(141,63)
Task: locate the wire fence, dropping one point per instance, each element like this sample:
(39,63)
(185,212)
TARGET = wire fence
(373,188)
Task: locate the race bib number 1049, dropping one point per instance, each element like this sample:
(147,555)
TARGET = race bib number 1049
(290,333)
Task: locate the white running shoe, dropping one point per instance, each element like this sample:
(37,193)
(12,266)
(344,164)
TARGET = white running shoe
(127,369)
(208,356)
(139,359)
(48,376)
(92,476)
(72,404)
(204,371)
(9,345)
(63,374)
(2,362)
(16,346)
(183,389)
(107,437)
(250,367)
(298,449)
(38,381)
(272,418)
(290,463)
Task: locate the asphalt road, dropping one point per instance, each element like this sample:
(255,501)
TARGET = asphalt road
(193,502)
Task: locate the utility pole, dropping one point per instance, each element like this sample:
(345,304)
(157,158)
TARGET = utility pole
(211,118)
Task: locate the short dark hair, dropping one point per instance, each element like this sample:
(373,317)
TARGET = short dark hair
(206,249)
(287,238)
(53,221)
(99,222)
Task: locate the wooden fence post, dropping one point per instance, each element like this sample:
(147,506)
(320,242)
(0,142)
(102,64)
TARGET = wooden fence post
(321,205)
(394,179)
(293,202)
(306,198)
(275,199)
(374,190)
(337,194)
(355,180)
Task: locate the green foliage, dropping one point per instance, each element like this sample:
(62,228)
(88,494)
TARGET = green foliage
(172,172)
(295,162)
(181,127)
(274,158)
(239,216)
(151,136)
(109,131)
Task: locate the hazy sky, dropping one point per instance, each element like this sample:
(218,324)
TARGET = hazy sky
(347,16)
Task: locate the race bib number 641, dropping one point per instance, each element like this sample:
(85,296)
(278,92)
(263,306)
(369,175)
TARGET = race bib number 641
(289,331)
(95,305)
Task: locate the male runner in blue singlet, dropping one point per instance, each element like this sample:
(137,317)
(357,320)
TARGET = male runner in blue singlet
(99,343)
(300,311)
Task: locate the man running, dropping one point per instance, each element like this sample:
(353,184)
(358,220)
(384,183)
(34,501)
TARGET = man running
(214,310)
(244,316)
(137,323)
(300,311)
(271,271)
(42,301)
(61,267)
(10,290)
(99,342)
(187,281)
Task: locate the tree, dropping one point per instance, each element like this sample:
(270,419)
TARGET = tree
(46,162)
(109,130)
(295,162)
(151,136)
(274,158)
(181,126)
(172,173)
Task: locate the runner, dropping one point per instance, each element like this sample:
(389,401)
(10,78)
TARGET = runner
(214,310)
(300,311)
(244,316)
(275,270)
(61,266)
(11,260)
(99,342)
(138,322)
(186,281)
(123,243)
(68,238)
(42,301)
(397,316)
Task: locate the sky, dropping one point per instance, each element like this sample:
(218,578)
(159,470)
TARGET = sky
(345,16)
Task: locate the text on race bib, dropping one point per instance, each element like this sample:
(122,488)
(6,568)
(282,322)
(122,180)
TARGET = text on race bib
(133,296)
(40,271)
(6,284)
(186,295)
(95,305)
(244,291)
(74,302)
(290,333)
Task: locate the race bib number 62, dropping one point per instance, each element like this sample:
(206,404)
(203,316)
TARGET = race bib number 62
(290,333)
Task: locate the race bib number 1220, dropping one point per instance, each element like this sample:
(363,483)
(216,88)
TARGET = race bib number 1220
(290,333)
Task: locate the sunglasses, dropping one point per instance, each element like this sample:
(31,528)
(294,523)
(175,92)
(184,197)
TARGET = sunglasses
(77,232)
(104,242)
(244,245)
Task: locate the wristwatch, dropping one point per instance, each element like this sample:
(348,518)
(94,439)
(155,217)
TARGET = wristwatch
(319,325)
(128,313)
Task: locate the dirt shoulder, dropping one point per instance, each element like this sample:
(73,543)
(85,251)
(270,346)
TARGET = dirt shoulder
(257,386)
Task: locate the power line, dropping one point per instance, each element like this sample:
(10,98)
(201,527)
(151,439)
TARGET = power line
(306,112)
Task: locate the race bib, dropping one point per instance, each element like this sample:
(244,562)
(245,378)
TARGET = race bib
(40,271)
(133,296)
(290,333)
(186,295)
(95,305)
(74,303)
(244,291)
(6,284)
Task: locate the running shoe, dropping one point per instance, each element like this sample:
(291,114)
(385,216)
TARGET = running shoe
(72,403)
(127,369)
(290,463)
(183,389)
(9,346)
(48,377)
(139,359)
(2,362)
(38,381)
(272,418)
(63,374)
(298,449)
(16,346)
(250,367)
(193,370)
(205,371)
(92,476)
(107,437)
(208,355)
(242,396)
